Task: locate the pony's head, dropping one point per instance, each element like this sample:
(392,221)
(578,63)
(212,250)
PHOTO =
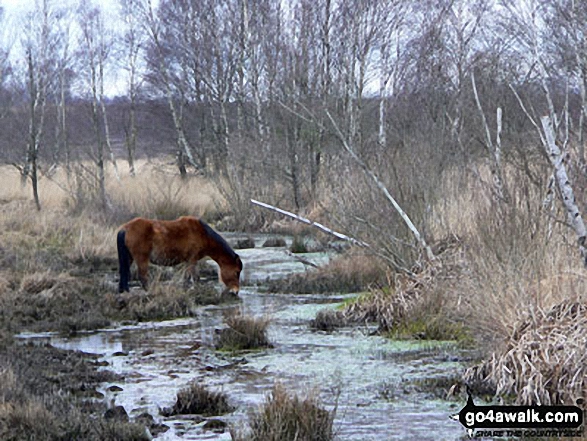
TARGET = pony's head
(230,274)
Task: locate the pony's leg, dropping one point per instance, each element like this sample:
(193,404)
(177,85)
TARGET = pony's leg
(143,270)
(194,272)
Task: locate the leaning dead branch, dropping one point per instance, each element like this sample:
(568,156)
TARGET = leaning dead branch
(367,170)
(312,223)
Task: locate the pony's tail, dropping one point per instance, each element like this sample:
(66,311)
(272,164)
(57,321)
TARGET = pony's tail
(123,261)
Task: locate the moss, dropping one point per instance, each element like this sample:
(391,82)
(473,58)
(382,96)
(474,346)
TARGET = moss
(433,328)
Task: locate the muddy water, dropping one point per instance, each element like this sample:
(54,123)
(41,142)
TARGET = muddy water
(369,379)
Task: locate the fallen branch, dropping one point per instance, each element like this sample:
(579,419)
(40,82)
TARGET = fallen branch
(301,259)
(312,223)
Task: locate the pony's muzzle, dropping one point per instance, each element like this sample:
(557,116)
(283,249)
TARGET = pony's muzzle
(233,291)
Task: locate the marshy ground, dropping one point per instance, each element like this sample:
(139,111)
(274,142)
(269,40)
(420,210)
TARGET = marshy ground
(380,352)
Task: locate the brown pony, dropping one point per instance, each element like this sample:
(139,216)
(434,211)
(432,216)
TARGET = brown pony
(168,243)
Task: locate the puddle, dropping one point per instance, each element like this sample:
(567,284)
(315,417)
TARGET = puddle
(349,367)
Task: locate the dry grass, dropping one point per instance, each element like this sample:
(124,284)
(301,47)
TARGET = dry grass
(287,417)
(544,362)
(197,399)
(522,292)
(351,272)
(155,191)
(59,302)
(243,333)
(41,389)
(412,299)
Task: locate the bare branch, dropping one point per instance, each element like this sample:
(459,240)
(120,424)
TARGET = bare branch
(383,189)
(312,223)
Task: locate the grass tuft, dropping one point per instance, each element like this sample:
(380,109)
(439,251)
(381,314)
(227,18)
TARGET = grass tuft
(298,245)
(243,333)
(352,272)
(328,320)
(544,362)
(287,417)
(197,399)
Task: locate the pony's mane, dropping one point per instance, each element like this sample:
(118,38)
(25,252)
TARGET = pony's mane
(219,239)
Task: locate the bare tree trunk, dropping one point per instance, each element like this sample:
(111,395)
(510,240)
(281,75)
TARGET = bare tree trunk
(254,75)
(99,158)
(419,238)
(63,122)
(182,142)
(583,110)
(133,40)
(293,149)
(564,185)
(131,136)
(107,128)
(500,189)
(36,122)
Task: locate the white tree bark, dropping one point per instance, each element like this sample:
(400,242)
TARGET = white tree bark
(419,238)
(311,223)
(564,185)
(494,148)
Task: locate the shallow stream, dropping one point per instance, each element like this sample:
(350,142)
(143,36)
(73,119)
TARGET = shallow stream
(373,382)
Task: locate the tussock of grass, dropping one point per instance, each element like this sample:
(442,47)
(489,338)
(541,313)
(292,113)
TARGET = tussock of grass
(352,272)
(243,333)
(197,399)
(274,242)
(544,362)
(287,417)
(298,245)
(418,306)
(163,301)
(42,396)
(328,320)
(53,302)
(60,302)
